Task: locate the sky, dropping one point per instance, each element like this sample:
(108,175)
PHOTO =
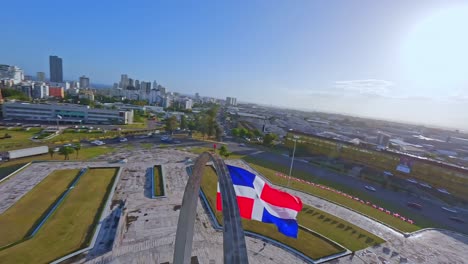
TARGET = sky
(398,60)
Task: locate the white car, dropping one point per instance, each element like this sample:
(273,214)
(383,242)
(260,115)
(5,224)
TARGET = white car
(97,143)
(449,210)
(123,140)
(370,188)
(425,185)
(443,191)
(412,181)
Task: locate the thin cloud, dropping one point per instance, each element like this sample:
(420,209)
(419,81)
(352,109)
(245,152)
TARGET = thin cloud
(369,86)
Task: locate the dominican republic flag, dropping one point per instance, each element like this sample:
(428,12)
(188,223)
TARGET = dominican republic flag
(258,201)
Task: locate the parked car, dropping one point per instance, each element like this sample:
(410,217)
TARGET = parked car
(414,205)
(370,188)
(123,139)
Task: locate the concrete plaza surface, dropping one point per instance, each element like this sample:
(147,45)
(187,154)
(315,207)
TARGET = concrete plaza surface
(145,232)
(150,225)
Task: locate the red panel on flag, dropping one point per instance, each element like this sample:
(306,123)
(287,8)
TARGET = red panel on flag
(245,205)
(219,204)
(280,198)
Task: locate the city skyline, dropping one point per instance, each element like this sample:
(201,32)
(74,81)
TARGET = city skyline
(383,61)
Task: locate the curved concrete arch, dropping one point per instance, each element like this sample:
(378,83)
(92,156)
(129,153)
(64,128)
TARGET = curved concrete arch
(234,246)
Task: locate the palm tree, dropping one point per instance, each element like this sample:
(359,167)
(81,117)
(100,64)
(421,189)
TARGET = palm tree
(77,148)
(51,152)
(66,151)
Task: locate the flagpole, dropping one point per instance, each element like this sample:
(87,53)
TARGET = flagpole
(292,159)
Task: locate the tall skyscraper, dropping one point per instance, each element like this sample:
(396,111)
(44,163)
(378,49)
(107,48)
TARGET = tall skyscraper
(56,70)
(84,82)
(162,90)
(123,81)
(137,84)
(40,76)
(231,101)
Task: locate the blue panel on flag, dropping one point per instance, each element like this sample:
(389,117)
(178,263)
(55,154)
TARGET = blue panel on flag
(288,227)
(241,177)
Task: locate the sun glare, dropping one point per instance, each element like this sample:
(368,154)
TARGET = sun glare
(435,51)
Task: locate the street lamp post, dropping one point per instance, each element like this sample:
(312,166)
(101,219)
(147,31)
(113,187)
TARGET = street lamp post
(295,138)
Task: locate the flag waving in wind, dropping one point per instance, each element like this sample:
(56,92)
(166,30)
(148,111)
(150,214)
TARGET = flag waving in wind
(258,201)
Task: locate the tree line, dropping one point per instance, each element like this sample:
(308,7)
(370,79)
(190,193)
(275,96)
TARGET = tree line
(204,122)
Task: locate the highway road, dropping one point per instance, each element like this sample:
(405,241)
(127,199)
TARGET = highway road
(430,210)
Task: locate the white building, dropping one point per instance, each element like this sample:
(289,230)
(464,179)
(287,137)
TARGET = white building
(231,101)
(12,73)
(185,103)
(70,113)
(154,109)
(154,97)
(40,90)
(383,139)
(167,101)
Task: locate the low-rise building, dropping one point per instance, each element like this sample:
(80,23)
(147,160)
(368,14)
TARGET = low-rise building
(13,73)
(86,94)
(55,91)
(383,139)
(40,90)
(69,113)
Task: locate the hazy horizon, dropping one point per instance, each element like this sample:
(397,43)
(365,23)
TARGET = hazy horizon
(391,60)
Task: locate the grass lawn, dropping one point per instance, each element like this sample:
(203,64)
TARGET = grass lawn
(5,171)
(308,243)
(337,198)
(350,236)
(77,137)
(158,183)
(18,220)
(200,150)
(19,139)
(141,125)
(84,154)
(71,226)
(147,145)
